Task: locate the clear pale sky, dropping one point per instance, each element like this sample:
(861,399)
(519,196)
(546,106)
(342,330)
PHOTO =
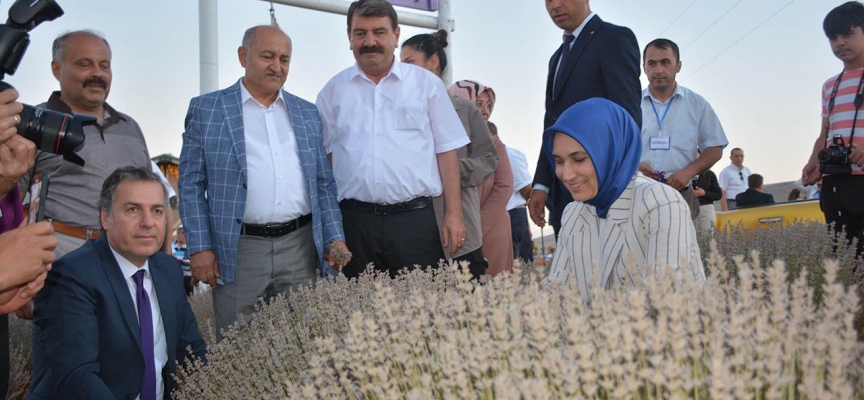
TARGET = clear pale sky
(765,88)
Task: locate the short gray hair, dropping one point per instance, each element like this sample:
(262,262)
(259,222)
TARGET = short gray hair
(58,49)
(123,174)
(249,35)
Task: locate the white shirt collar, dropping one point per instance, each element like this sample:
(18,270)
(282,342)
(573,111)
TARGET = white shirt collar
(127,268)
(678,92)
(245,95)
(395,70)
(581,26)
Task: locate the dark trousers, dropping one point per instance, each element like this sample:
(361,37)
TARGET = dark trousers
(4,355)
(522,248)
(477,263)
(188,286)
(842,201)
(390,241)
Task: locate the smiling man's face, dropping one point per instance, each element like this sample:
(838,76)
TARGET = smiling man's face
(84,73)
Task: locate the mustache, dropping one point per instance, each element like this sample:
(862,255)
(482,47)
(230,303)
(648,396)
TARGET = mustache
(95,81)
(371,49)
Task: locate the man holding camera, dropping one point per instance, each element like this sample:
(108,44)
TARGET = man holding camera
(839,151)
(26,252)
(676,124)
(82,64)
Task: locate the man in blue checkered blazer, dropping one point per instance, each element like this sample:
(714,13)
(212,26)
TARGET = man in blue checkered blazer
(257,196)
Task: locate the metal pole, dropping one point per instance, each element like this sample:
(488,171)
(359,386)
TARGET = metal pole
(341,7)
(209,45)
(445,21)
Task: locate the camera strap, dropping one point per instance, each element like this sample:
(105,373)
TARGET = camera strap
(858,102)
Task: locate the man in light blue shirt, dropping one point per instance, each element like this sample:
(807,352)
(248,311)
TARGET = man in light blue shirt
(676,124)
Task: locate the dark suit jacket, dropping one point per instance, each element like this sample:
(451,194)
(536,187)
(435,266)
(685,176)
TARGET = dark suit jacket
(603,62)
(86,334)
(753,197)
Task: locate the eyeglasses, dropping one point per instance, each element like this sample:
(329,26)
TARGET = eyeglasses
(740,175)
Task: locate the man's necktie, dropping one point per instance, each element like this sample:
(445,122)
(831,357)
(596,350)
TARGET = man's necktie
(145,320)
(568,39)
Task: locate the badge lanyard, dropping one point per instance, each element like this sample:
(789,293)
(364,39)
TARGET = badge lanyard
(660,125)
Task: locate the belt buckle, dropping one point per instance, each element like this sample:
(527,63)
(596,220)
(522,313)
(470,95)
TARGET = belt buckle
(271,230)
(379,209)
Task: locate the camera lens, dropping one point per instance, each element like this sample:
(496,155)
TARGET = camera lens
(824,155)
(55,132)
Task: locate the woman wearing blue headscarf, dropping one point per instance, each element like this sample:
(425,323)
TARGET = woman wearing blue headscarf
(620,219)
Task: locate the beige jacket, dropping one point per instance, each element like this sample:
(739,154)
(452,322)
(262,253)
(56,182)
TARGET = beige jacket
(477,160)
(648,226)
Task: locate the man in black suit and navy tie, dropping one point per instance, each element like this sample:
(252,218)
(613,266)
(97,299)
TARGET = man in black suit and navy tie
(113,316)
(597,59)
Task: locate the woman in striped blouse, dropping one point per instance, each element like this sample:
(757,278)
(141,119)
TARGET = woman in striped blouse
(620,222)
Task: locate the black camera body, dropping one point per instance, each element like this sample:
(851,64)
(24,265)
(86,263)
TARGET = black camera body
(51,131)
(834,159)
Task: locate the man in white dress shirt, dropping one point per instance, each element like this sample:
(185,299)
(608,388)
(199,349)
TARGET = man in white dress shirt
(257,197)
(391,133)
(733,180)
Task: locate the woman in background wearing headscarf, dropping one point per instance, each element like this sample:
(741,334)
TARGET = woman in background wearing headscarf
(477,160)
(495,191)
(619,218)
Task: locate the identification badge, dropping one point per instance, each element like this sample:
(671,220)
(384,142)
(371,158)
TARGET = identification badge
(660,143)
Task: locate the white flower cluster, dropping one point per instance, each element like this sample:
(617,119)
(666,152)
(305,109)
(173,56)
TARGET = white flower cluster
(440,335)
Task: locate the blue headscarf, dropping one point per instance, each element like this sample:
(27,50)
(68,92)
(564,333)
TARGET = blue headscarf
(612,141)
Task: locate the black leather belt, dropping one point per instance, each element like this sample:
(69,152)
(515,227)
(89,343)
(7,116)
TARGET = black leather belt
(385,209)
(275,230)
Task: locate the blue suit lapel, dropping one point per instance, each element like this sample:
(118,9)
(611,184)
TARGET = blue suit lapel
(119,286)
(166,304)
(588,33)
(233,111)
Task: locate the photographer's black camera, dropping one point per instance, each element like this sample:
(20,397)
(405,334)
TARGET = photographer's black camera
(834,159)
(51,131)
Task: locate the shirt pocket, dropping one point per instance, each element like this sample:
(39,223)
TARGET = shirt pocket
(410,115)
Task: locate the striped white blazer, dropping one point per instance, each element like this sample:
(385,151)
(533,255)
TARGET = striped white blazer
(649,225)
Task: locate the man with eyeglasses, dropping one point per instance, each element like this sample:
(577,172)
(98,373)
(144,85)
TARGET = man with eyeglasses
(733,180)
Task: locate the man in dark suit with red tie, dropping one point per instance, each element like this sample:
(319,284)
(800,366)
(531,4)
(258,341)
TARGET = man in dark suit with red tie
(597,59)
(113,316)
